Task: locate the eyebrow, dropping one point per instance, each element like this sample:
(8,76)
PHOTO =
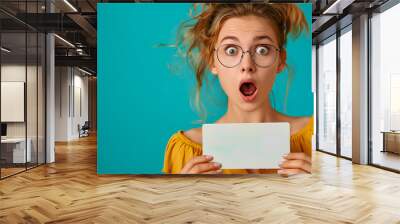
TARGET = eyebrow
(230,37)
(263,37)
(255,38)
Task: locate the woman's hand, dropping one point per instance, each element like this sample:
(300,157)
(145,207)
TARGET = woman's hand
(201,165)
(295,163)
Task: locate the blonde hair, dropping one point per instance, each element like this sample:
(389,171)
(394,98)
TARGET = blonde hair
(199,35)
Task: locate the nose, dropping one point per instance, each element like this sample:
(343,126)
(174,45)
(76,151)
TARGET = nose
(247,64)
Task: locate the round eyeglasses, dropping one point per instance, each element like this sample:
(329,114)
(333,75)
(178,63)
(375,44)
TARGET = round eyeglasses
(231,55)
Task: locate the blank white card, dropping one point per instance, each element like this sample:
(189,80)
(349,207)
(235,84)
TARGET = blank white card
(247,145)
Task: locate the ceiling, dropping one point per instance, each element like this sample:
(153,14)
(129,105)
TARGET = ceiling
(72,20)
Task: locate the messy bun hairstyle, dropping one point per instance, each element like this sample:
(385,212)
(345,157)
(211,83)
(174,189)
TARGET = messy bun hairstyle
(199,35)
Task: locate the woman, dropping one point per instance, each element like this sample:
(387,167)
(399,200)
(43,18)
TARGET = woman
(243,45)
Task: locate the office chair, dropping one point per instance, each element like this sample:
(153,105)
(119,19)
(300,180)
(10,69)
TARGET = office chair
(84,130)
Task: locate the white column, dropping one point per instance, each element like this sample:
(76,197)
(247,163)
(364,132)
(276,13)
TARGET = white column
(360,90)
(50,100)
(50,93)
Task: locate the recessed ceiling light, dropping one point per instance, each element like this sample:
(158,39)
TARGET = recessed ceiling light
(65,41)
(5,50)
(71,6)
(337,6)
(84,71)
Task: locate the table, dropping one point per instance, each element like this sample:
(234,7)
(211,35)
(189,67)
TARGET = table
(15,148)
(391,141)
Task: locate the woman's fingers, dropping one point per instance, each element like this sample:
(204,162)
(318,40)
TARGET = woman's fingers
(198,159)
(297,155)
(296,164)
(290,172)
(201,164)
(214,172)
(205,167)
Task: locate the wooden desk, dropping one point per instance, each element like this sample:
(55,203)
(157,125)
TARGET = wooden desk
(13,150)
(391,141)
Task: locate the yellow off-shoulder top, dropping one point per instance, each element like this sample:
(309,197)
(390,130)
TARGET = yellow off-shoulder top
(180,149)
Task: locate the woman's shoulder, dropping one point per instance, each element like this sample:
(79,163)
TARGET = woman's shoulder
(301,121)
(186,139)
(180,149)
(194,135)
(297,123)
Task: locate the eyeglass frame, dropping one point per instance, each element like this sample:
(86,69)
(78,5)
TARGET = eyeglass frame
(248,51)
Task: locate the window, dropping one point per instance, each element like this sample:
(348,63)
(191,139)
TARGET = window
(385,89)
(346,93)
(327,96)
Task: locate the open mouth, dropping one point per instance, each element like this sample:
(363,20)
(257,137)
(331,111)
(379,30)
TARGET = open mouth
(248,90)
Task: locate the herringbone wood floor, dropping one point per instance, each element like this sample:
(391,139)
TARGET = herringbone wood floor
(70,191)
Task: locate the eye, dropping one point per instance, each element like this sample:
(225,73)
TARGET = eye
(231,50)
(262,50)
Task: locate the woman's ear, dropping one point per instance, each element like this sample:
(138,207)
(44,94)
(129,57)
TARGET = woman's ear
(213,69)
(282,60)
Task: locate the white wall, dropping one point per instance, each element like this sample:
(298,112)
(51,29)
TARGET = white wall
(15,72)
(81,103)
(10,73)
(62,81)
(71,93)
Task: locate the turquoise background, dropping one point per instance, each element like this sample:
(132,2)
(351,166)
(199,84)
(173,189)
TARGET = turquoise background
(145,91)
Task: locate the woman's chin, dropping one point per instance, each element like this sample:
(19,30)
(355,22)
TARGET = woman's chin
(249,106)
